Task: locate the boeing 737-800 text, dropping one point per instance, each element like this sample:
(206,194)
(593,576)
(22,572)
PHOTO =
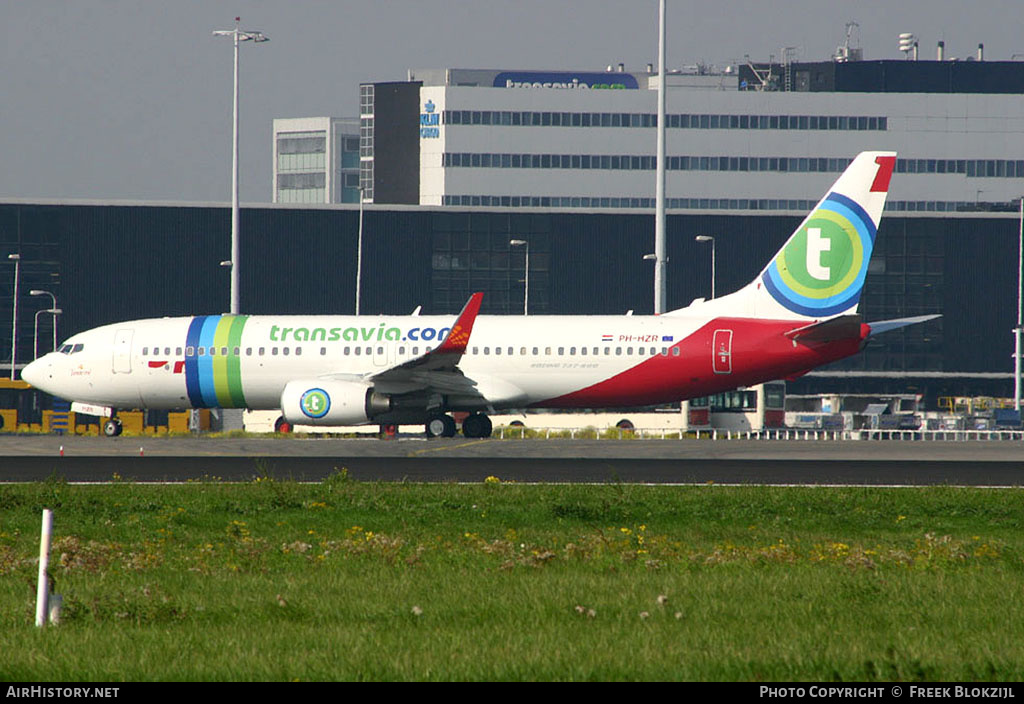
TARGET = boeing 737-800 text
(799,313)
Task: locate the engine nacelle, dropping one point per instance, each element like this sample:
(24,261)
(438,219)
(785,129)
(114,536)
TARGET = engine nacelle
(324,402)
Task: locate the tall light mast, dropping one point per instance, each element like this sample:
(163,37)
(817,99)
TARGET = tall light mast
(239,35)
(659,208)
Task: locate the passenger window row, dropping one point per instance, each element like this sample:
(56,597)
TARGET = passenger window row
(582,351)
(487,350)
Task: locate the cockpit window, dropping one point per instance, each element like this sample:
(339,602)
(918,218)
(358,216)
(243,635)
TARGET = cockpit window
(70,349)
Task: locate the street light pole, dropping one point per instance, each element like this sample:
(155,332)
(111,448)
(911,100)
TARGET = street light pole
(359,252)
(526,279)
(660,268)
(709,238)
(35,336)
(39,292)
(1020,311)
(16,258)
(239,35)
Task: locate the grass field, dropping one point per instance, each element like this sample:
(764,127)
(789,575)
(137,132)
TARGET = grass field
(345,580)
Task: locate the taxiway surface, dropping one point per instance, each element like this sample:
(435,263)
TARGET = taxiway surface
(922,463)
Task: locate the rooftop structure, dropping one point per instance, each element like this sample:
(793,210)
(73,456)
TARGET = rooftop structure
(746,140)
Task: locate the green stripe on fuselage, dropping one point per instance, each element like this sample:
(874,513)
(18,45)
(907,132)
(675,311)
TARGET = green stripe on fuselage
(227,369)
(235,362)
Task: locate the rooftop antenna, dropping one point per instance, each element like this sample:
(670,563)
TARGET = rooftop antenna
(844,53)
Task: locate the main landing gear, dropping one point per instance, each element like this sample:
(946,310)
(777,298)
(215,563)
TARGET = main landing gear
(476,425)
(440,425)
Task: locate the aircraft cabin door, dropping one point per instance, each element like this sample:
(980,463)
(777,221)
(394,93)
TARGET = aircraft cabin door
(381,354)
(122,362)
(722,352)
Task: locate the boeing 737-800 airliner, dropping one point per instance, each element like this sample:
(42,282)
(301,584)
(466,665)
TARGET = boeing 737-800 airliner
(799,313)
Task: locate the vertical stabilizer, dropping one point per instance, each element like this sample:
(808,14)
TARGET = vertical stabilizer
(820,271)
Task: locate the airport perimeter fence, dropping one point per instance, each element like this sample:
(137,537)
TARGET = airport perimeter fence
(522,432)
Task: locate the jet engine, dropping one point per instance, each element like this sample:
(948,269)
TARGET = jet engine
(325,402)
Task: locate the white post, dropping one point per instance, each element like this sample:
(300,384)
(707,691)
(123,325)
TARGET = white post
(43,590)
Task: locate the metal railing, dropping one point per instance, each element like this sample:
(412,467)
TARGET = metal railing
(522,432)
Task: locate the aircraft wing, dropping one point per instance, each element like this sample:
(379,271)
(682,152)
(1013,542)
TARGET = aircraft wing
(436,370)
(447,355)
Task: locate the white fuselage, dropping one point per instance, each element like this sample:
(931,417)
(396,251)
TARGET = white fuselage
(509,361)
(517,361)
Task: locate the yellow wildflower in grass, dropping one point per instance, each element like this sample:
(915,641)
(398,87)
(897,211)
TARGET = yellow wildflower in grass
(492,480)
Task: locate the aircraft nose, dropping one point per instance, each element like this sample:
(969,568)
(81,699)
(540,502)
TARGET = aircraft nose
(35,372)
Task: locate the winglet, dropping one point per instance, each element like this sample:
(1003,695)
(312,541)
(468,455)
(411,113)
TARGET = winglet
(458,336)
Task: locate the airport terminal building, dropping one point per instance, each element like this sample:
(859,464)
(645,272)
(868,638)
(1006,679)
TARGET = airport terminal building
(454,164)
(735,142)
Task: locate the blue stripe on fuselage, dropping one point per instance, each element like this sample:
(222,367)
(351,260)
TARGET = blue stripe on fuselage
(206,338)
(195,396)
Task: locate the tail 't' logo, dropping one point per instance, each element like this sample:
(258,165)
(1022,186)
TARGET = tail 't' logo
(821,269)
(816,244)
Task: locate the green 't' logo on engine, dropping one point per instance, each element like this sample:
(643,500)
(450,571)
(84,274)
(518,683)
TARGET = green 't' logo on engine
(315,403)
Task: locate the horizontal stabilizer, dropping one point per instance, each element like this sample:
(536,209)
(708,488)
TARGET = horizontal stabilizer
(844,327)
(887,325)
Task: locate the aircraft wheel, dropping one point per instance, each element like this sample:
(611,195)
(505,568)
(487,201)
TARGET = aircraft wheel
(112,428)
(282,426)
(477,425)
(441,426)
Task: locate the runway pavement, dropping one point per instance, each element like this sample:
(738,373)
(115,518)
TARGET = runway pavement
(976,463)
